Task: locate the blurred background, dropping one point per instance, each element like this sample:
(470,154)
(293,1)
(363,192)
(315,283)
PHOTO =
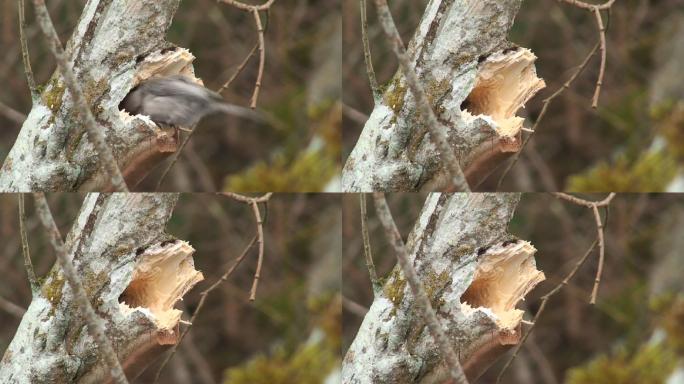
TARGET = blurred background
(633,142)
(290,334)
(634,333)
(297,151)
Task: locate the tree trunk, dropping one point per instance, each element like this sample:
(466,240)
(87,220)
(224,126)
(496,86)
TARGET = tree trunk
(475,80)
(117,44)
(474,273)
(133,273)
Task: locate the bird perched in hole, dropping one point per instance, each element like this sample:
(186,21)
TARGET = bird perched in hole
(177,101)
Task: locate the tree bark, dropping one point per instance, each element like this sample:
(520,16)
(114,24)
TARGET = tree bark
(116,44)
(133,273)
(474,273)
(475,80)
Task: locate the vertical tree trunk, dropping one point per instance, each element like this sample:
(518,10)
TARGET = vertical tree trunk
(116,44)
(133,273)
(473,271)
(475,80)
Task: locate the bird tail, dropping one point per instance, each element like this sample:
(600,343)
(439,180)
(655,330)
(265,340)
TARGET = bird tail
(236,110)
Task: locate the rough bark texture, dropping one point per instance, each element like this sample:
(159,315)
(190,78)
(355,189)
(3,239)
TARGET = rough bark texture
(474,273)
(475,80)
(133,273)
(116,44)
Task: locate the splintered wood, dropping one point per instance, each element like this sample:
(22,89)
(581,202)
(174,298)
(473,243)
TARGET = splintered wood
(505,82)
(163,275)
(177,61)
(504,275)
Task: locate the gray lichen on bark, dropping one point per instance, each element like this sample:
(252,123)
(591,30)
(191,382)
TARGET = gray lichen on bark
(455,41)
(52,344)
(111,45)
(474,273)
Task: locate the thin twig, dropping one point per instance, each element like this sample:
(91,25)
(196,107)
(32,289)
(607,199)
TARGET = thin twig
(438,134)
(260,237)
(367,247)
(422,300)
(254,10)
(596,10)
(367,53)
(12,308)
(33,281)
(12,113)
(254,201)
(239,69)
(247,199)
(542,306)
(354,114)
(25,53)
(262,58)
(247,7)
(583,202)
(589,7)
(95,132)
(175,158)
(593,205)
(354,307)
(599,270)
(602,69)
(95,324)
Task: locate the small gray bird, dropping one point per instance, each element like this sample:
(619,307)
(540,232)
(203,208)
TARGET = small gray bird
(179,102)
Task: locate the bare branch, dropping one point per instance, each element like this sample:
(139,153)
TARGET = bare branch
(247,199)
(262,58)
(239,68)
(589,7)
(602,252)
(12,308)
(260,259)
(367,247)
(254,10)
(367,53)
(25,247)
(247,7)
(593,205)
(354,307)
(583,202)
(25,54)
(596,10)
(12,113)
(175,158)
(602,69)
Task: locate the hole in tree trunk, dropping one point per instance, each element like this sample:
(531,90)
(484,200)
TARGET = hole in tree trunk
(504,275)
(505,81)
(163,274)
